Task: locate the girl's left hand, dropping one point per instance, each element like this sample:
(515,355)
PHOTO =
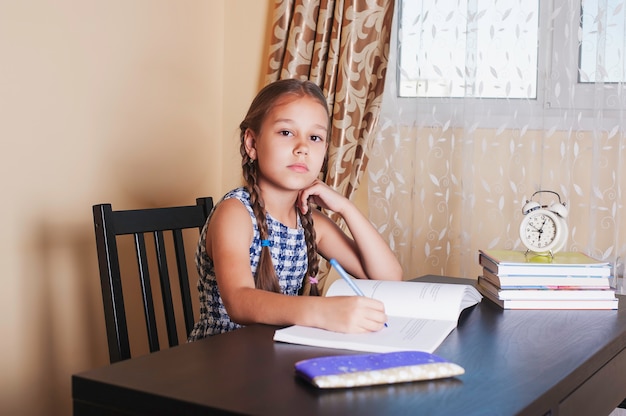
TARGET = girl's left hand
(321,195)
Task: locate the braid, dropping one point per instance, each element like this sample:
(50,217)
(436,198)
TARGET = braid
(311,245)
(266,278)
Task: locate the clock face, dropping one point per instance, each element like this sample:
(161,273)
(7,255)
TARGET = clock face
(541,231)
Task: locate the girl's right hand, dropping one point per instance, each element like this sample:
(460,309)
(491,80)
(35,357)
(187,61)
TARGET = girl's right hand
(353,314)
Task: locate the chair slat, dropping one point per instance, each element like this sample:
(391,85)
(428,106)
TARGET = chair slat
(183,280)
(166,289)
(146,292)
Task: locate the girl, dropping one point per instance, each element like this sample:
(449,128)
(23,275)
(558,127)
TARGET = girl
(262,240)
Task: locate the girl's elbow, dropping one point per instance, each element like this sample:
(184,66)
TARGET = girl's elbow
(390,273)
(236,312)
(396,272)
(238,317)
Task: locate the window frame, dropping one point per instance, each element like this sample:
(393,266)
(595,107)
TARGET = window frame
(535,113)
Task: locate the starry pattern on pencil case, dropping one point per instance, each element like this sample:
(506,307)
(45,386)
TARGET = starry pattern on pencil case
(288,249)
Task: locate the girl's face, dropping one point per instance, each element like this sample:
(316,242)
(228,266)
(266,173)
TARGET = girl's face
(291,146)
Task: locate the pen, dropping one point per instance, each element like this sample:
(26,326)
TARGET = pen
(347,278)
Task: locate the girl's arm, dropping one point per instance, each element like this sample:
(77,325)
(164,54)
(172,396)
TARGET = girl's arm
(228,243)
(366,255)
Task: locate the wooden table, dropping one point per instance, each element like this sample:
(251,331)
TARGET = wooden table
(517,362)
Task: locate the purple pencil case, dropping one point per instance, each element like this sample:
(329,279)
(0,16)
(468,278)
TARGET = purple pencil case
(340,371)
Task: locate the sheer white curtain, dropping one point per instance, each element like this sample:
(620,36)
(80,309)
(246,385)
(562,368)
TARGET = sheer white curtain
(448,176)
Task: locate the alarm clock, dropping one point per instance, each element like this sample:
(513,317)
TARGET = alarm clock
(543,229)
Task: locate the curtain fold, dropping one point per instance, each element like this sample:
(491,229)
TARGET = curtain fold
(343,47)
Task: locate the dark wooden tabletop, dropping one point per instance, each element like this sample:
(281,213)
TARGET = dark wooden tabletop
(516,362)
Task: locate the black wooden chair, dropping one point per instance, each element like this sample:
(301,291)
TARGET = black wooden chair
(161,223)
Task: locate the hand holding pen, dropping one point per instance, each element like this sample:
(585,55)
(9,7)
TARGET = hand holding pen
(344,275)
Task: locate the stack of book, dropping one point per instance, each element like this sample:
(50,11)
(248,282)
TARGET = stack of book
(567,280)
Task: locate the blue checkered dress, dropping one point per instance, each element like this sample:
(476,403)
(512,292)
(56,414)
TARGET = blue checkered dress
(288,248)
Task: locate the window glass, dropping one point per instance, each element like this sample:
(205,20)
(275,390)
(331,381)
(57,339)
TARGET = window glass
(482,49)
(587,56)
(602,57)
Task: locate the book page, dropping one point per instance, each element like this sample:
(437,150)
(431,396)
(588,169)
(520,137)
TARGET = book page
(402,334)
(414,299)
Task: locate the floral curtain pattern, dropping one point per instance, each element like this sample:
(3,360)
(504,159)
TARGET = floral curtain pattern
(449,177)
(342,46)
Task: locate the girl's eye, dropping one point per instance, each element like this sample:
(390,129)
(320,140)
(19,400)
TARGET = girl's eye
(317,138)
(285,133)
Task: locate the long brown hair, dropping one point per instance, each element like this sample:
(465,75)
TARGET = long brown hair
(263,103)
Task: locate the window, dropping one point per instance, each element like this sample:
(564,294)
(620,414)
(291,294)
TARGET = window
(536,55)
(485,49)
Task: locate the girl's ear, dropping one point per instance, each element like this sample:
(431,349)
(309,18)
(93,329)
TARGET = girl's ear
(250,144)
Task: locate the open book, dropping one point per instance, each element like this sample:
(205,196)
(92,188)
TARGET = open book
(420,316)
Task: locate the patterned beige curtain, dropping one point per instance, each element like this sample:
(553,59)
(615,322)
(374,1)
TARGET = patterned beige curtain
(342,46)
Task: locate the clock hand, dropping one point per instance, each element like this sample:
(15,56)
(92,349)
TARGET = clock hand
(542,224)
(540,229)
(536,229)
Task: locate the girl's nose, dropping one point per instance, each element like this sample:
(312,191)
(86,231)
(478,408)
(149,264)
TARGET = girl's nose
(302,148)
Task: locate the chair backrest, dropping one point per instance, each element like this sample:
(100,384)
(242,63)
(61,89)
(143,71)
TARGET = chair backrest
(159,222)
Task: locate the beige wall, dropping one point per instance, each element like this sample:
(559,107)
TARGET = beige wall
(133,102)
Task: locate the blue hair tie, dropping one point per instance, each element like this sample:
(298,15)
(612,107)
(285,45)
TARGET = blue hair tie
(266,243)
